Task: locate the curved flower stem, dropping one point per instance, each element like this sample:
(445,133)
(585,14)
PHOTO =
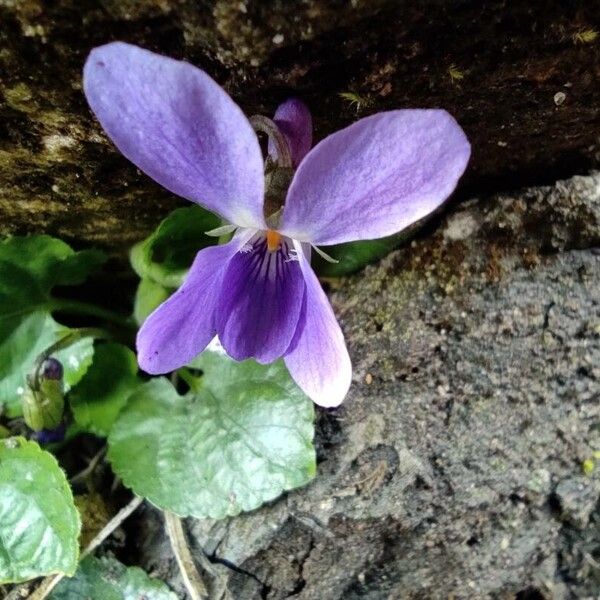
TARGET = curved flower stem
(78,307)
(268,126)
(64,342)
(87,472)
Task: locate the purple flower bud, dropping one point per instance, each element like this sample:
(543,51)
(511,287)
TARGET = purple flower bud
(52,369)
(49,436)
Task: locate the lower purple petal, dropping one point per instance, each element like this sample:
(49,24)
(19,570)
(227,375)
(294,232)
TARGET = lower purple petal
(180,328)
(317,358)
(260,303)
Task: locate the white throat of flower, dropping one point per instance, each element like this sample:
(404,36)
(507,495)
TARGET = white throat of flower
(278,175)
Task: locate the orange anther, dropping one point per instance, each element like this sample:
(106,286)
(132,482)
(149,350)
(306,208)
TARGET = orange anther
(273,239)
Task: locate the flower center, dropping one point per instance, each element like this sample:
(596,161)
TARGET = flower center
(273,240)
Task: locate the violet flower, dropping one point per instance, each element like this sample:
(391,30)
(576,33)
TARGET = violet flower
(258,292)
(50,436)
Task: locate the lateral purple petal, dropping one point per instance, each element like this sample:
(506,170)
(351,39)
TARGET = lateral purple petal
(318,359)
(178,126)
(295,122)
(180,328)
(375,177)
(260,303)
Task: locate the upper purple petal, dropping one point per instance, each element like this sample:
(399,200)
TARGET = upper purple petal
(295,122)
(375,177)
(317,358)
(179,127)
(260,303)
(180,328)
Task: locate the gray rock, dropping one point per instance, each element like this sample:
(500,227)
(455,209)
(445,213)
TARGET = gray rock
(476,355)
(578,496)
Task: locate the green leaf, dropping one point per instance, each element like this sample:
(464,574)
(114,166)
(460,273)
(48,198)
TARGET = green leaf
(108,579)
(50,261)
(39,524)
(148,296)
(353,256)
(29,268)
(103,392)
(239,438)
(168,253)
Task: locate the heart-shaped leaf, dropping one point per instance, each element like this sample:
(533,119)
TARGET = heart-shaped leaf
(239,438)
(39,524)
(105,388)
(148,296)
(29,268)
(167,254)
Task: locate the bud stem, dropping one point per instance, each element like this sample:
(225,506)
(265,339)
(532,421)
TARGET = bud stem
(268,126)
(64,342)
(77,307)
(50,582)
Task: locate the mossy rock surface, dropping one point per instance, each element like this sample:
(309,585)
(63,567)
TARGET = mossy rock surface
(497,68)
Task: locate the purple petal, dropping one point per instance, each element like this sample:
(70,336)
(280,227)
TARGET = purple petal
(179,127)
(375,177)
(50,436)
(260,303)
(294,120)
(318,359)
(180,328)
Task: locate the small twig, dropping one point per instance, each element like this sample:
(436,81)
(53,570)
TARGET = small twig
(191,578)
(19,593)
(113,524)
(82,475)
(115,484)
(590,560)
(76,307)
(49,583)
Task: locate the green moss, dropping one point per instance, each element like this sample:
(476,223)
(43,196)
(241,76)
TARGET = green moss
(20,97)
